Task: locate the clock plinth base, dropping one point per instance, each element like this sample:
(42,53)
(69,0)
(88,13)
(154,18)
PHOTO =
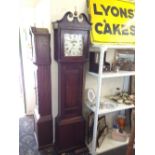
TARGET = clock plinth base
(43,130)
(70,134)
(77,151)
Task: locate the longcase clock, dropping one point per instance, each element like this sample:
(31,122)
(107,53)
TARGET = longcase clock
(71,36)
(43,129)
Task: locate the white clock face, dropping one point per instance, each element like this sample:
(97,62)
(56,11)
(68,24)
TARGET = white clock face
(73,44)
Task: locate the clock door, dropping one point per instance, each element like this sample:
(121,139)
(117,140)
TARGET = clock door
(71,89)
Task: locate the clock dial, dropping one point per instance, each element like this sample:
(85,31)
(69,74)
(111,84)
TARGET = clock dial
(73,44)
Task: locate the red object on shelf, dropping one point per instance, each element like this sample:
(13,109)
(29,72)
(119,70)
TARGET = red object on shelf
(121,122)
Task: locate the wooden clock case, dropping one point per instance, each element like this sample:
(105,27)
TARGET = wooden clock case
(43,124)
(70,124)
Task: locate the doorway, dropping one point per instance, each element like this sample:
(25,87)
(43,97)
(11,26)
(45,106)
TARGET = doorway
(22,95)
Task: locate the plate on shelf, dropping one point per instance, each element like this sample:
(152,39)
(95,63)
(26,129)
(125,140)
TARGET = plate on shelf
(109,105)
(106,104)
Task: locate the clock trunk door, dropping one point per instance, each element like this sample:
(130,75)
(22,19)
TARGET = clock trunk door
(71,89)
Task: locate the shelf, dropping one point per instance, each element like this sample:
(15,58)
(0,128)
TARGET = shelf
(108,144)
(107,110)
(114,74)
(96,47)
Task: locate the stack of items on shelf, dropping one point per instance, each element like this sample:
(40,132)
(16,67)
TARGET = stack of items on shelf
(110,102)
(118,131)
(124,60)
(124,97)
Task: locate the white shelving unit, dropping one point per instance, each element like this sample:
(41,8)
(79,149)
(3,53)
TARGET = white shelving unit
(108,142)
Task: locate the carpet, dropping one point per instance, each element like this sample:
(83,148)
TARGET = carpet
(27,142)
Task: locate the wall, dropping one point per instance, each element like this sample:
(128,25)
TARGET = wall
(43,14)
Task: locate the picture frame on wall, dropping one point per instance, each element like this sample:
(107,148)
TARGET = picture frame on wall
(125,59)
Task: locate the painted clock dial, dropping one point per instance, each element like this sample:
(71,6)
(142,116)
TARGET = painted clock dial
(73,44)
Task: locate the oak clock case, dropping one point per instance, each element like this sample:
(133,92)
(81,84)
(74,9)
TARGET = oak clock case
(43,129)
(71,36)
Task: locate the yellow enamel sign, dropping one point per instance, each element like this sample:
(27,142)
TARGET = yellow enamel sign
(112,22)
